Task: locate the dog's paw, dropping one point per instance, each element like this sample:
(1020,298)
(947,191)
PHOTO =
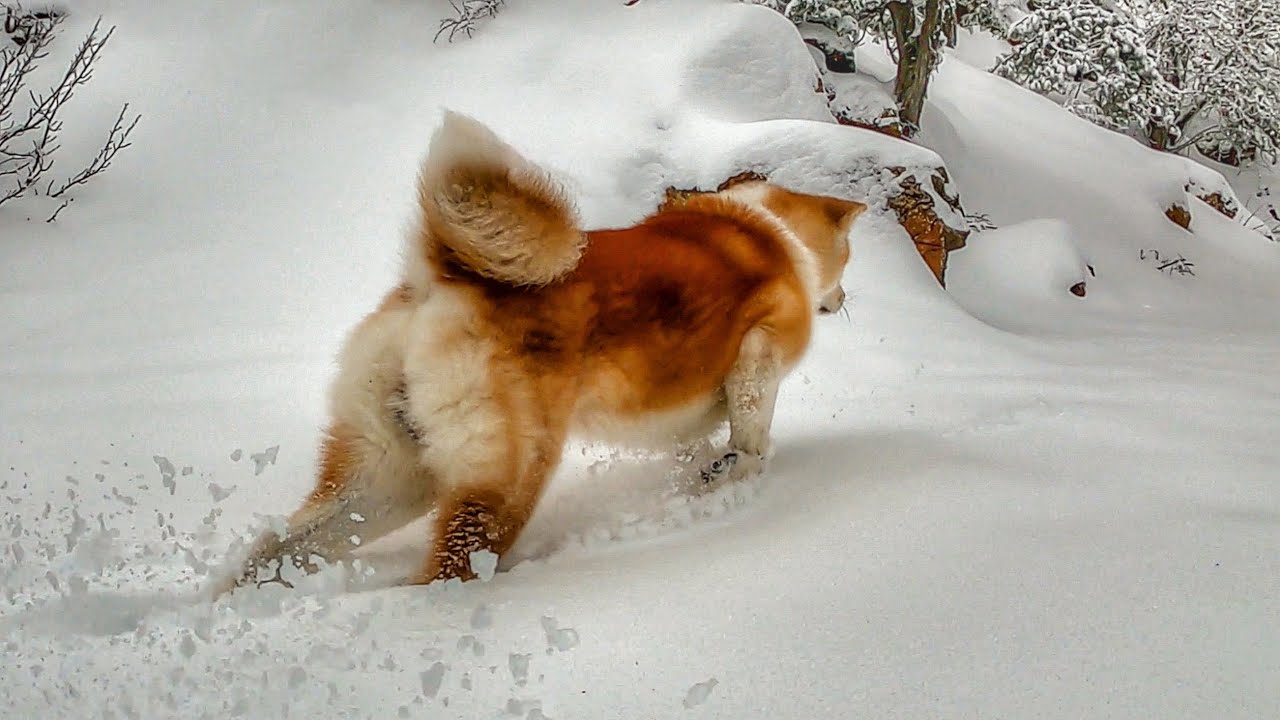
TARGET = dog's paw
(733,465)
(719,468)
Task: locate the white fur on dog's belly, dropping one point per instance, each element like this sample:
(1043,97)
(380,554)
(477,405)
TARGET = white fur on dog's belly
(651,430)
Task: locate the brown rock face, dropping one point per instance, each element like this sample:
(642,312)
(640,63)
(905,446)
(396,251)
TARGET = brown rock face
(675,196)
(887,124)
(1180,215)
(917,214)
(1219,203)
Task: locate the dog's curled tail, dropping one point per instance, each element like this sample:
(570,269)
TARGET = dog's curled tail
(491,211)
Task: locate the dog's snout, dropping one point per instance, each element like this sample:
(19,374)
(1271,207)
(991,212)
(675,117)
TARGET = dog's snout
(833,300)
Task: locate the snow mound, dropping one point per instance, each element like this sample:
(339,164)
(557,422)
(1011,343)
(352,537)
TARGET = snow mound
(705,106)
(728,78)
(1006,272)
(1017,156)
(803,155)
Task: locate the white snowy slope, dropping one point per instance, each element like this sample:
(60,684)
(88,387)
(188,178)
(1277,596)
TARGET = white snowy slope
(999,500)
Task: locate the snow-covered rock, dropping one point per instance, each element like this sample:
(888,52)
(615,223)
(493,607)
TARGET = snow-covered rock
(1006,273)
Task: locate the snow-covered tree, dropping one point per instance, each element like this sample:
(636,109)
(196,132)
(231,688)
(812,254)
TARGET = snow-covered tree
(1178,73)
(913,31)
(1092,59)
(1223,56)
(844,17)
(993,16)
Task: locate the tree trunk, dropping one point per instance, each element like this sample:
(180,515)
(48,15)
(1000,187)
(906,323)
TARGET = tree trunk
(916,57)
(949,24)
(1158,136)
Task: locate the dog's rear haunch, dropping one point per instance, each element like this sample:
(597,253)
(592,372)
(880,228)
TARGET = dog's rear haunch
(513,328)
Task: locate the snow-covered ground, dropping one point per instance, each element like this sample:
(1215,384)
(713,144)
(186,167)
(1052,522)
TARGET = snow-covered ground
(998,500)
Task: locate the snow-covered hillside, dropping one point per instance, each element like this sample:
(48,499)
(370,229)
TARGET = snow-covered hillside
(997,500)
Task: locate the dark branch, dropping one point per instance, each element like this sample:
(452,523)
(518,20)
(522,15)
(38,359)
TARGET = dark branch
(30,123)
(117,140)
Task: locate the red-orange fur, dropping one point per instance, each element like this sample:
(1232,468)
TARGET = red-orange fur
(460,390)
(658,309)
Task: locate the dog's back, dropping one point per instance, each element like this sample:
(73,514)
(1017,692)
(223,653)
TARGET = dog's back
(513,326)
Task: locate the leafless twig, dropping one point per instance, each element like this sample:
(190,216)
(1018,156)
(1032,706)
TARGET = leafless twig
(1179,264)
(466,14)
(979,222)
(55,214)
(30,123)
(1262,203)
(117,140)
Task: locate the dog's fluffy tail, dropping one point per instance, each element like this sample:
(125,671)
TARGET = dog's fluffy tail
(487,209)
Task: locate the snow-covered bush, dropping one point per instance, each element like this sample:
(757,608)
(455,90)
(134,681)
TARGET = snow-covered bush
(914,32)
(993,16)
(844,17)
(30,125)
(1093,60)
(1178,73)
(1223,57)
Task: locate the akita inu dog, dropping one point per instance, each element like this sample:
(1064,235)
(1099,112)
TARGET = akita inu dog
(514,328)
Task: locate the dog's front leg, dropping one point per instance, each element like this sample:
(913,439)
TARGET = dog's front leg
(751,390)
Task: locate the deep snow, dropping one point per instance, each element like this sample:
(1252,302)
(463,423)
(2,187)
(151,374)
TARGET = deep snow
(999,500)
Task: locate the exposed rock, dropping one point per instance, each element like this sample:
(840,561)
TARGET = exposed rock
(856,100)
(1223,205)
(1180,216)
(1212,189)
(917,212)
(887,124)
(837,56)
(861,102)
(675,196)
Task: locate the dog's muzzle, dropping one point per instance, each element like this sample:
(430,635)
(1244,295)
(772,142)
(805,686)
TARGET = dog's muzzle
(832,301)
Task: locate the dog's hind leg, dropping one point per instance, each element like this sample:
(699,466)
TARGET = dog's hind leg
(472,521)
(505,446)
(362,493)
(487,510)
(751,390)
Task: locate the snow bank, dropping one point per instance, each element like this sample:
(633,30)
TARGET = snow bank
(723,75)
(1007,274)
(706,105)
(1016,158)
(807,156)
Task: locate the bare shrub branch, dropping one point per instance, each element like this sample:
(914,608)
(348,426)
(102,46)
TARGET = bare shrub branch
(30,124)
(58,212)
(117,140)
(466,14)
